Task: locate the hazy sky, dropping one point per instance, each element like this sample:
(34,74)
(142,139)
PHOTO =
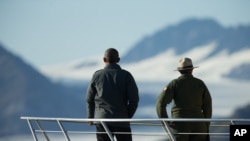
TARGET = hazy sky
(47,32)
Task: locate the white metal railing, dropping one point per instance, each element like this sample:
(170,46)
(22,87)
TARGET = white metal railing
(36,125)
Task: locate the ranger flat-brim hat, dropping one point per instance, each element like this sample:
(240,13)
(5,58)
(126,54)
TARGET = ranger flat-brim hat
(185,64)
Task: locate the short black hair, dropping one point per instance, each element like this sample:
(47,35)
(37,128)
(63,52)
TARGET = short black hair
(111,55)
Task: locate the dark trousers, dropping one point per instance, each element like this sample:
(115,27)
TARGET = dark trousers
(119,137)
(190,127)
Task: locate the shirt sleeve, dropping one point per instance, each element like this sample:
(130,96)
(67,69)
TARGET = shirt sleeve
(207,103)
(133,96)
(164,98)
(90,99)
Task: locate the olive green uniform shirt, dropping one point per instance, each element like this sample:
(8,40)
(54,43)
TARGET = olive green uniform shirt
(191,98)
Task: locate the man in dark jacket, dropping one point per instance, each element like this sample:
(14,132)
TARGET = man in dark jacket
(112,93)
(191,99)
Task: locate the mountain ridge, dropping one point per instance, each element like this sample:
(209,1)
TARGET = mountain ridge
(152,69)
(24,91)
(188,34)
(179,40)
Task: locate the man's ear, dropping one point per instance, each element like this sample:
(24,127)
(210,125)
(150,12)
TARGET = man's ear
(104,59)
(118,59)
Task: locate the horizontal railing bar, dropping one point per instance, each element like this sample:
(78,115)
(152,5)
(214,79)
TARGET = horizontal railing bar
(134,133)
(222,125)
(48,131)
(152,124)
(135,120)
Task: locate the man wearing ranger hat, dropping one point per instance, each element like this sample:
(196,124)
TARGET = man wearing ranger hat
(191,99)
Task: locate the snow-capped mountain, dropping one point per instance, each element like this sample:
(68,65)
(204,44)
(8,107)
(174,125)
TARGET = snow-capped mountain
(220,52)
(161,67)
(189,34)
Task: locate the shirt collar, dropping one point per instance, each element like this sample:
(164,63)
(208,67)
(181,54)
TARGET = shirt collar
(112,66)
(186,75)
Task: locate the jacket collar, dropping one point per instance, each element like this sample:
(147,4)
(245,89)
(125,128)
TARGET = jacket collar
(112,66)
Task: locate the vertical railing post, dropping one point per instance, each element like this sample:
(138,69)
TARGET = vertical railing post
(32,130)
(43,131)
(107,131)
(63,130)
(168,131)
(232,122)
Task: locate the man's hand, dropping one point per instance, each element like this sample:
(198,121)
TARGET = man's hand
(171,124)
(90,123)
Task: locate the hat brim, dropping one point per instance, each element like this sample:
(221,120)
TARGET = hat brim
(179,69)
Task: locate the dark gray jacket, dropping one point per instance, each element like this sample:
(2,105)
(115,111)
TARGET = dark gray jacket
(112,93)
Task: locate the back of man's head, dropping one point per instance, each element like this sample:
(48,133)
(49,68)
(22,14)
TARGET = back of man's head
(111,56)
